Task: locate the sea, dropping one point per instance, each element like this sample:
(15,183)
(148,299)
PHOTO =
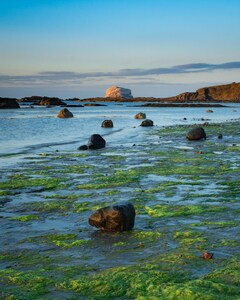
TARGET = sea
(34,129)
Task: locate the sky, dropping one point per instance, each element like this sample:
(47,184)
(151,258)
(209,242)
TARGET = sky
(79,48)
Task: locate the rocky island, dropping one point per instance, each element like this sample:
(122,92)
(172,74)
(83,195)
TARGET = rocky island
(220,93)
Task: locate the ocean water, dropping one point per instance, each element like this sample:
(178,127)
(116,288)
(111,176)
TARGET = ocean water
(33,129)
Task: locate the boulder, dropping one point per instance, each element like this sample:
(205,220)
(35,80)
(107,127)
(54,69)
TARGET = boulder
(118,92)
(9,103)
(196,133)
(96,141)
(146,123)
(107,124)
(119,217)
(140,116)
(65,113)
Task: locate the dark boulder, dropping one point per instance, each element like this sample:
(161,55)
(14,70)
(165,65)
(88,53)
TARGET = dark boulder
(107,124)
(96,142)
(9,103)
(65,113)
(146,123)
(119,217)
(196,133)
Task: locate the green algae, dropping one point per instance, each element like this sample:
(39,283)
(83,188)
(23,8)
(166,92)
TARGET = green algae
(76,169)
(65,241)
(217,224)
(28,285)
(119,244)
(147,235)
(26,218)
(53,206)
(47,183)
(187,238)
(111,193)
(118,178)
(161,210)
(119,282)
(151,282)
(5,193)
(222,284)
(66,196)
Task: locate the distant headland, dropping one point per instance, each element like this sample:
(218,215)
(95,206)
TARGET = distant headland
(201,97)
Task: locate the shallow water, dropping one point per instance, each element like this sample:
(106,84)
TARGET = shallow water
(27,129)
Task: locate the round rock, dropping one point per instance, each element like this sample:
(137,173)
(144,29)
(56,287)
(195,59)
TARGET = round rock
(140,116)
(107,124)
(146,123)
(196,133)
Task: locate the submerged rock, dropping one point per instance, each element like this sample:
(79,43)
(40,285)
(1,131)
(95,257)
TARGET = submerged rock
(65,113)
(196,133)
(107,124)
(96,141)
(119,217)
(118,92)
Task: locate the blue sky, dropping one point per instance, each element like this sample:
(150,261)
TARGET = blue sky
(78,48)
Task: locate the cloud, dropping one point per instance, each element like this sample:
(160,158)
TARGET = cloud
(65,77)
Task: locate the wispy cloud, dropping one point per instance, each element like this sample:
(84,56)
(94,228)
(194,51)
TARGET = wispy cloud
(57,77)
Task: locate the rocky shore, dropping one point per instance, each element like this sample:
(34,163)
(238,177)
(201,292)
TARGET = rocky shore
(203,97)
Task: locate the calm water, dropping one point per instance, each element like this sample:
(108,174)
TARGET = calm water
(28,130)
